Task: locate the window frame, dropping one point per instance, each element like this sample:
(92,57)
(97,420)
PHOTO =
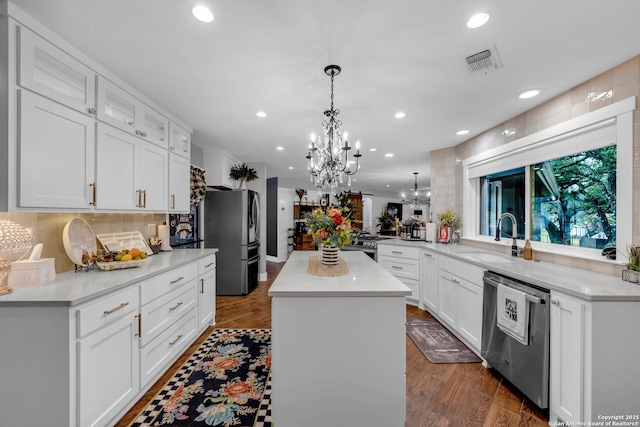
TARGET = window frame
(609,125)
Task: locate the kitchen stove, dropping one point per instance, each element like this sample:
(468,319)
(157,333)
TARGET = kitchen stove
(367,243)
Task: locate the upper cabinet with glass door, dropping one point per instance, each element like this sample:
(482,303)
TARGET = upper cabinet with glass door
(119,108)
(180,141)
(48,70)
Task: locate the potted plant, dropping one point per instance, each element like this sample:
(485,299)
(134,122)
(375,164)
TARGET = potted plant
(632,273)
(243,173)
(446,220)
(386,223)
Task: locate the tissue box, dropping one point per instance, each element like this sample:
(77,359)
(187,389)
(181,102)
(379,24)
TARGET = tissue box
(32,273)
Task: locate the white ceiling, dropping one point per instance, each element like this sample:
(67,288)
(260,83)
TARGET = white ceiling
(395,55)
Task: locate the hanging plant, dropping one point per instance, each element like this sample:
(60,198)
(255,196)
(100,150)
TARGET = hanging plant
(243,173)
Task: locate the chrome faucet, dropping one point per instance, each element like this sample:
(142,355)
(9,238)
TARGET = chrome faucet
(514,232)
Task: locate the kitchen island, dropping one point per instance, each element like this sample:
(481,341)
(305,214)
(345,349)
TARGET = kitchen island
(338,345)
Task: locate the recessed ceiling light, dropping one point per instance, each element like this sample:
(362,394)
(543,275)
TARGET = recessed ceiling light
(462,132)
(372,149)
(387,185)
(389,155)
(290,167)
(399,115)
(279,148)
(202,13)
(528,93)
(261,114)
(478,20)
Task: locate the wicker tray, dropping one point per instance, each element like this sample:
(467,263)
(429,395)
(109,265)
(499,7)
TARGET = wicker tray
(119,265)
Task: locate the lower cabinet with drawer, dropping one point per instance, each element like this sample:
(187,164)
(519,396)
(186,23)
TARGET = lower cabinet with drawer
(87,364)
(460,289)
(108,357)
(404,263)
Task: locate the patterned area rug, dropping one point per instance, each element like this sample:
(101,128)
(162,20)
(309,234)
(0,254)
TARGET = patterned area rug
(438,344)
(226,382)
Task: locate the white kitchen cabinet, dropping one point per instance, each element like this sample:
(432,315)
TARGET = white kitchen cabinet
(404,263)
(179,140)
(460,288)
(131,174)
(206,292)
(116,158)
(153,173)
(429,281)
(108,371)
(594,369)
(218,164)
(566,358)
(116,106)
(151,125)
(179,183)
(56,156)
(48,70)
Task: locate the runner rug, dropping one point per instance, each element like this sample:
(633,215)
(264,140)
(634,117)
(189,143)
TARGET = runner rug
(224,383)
(438,344)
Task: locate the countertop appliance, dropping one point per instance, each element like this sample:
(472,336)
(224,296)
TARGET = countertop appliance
(525,366)
(367,243)
(232,224)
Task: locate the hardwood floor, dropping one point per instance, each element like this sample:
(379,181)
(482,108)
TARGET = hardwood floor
(439,395)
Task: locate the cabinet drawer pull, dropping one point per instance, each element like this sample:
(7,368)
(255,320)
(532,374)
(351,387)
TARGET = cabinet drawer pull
(429,255)
(144,134)
(92,111)
(396,267)
(144,199)
(175,306)
(209,265)
(178,338)
(397,252)
(139,193)
(120,307)
(95,191)
(555,302)
(139,317)
(176,280)
(173,201)
(202,286)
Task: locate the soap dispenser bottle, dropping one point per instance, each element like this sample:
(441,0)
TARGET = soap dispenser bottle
(527,253)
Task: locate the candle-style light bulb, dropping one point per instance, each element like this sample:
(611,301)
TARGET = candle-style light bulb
(312,137)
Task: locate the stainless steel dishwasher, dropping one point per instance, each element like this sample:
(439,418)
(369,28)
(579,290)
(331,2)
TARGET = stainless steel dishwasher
(525,366)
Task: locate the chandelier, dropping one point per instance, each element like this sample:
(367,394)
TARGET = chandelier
(328,161)
(416,201)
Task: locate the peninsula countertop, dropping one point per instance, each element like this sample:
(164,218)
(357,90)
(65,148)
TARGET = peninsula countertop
(365,278)
(583,284)
(73,288)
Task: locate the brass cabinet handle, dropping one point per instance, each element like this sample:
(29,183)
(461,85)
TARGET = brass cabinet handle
(209,265)
(92,111)
(429,255)
(202,286)
(120,307)
(396,267)
(176,280)
(139,334)
(139,204)
(95,190)
(173,201)
(175,306)
(397,252)
(176,340)
(144,199)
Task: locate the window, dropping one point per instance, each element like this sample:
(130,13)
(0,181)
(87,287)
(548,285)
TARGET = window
(571,186)
(573,200)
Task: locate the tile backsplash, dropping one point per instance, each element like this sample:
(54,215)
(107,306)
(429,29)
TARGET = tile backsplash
(46,228)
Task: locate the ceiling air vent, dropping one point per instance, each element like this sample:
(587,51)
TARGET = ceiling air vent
(483,62)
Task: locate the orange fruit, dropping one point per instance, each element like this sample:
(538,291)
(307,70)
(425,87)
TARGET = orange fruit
(134,252)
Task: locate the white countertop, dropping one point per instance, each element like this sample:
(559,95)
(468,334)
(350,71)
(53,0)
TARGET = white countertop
(584,284)
(72,288)
(365,278)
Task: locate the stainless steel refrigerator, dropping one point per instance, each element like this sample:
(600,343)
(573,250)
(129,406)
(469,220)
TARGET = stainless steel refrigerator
(232,224)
